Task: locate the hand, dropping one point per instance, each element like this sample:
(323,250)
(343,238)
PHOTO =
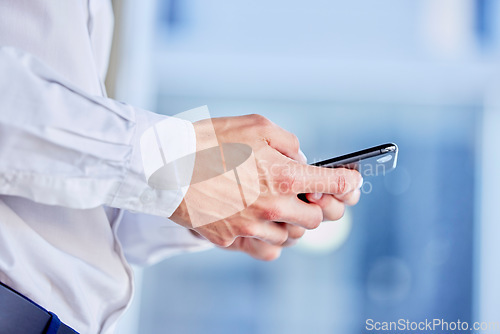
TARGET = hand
(255,230)
(333,206)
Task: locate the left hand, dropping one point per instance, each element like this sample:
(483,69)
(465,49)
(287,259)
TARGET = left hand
(331,206)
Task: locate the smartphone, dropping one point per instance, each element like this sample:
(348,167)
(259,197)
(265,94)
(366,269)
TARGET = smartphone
(373,161)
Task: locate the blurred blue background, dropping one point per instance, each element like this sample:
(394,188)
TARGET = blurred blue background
(342,76)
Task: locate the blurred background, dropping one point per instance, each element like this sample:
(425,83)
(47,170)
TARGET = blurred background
(343,76)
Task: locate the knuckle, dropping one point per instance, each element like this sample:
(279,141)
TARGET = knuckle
(341,184)
(255,117)
(247,230)
(260,120)
(296,232)
(272,213)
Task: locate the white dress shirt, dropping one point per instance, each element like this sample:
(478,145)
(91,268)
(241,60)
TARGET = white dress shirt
(70,167)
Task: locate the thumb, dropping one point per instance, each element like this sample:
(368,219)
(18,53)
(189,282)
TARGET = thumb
(314,197)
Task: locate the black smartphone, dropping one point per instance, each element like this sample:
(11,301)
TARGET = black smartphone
(373,161)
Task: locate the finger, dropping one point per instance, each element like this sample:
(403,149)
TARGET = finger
(295,232)
(285,142)
(268,231)
(294,211)
(313,197)
(290,242)
(313,179)
(333,209)
(351,198)
(256,248)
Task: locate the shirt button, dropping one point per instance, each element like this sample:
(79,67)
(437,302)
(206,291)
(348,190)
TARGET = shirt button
(147,196)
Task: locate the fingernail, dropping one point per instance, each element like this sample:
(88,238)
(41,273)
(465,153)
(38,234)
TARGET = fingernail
(360,183)
(303,156)
(317,196)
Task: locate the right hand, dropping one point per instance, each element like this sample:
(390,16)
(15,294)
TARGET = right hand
(263,228)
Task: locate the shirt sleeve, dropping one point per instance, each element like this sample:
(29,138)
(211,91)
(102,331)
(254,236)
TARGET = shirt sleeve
(61,146)
(147,239)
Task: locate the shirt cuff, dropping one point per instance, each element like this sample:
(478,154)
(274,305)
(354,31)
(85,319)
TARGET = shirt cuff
(174,139)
